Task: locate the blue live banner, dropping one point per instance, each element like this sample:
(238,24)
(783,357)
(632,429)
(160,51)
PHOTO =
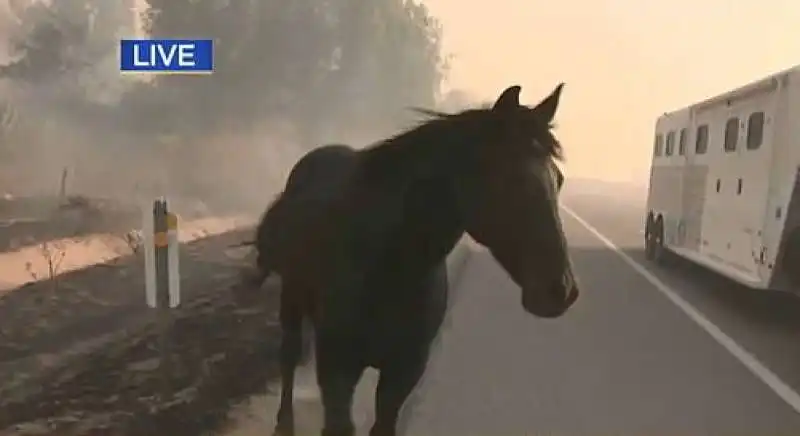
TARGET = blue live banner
(166,56)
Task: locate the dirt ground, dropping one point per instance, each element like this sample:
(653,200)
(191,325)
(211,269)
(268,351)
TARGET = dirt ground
(30,220)
(81,355)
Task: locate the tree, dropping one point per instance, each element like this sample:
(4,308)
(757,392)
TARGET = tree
(319,62)
(325,65)
(390,59)
(59,40)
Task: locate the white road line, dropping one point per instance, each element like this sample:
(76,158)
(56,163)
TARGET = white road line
(758,369)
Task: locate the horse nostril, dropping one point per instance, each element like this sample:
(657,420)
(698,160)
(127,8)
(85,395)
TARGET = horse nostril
(570,285)
(572,294)
(566,290)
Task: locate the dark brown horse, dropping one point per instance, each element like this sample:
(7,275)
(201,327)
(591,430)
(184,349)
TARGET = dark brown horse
(360,238)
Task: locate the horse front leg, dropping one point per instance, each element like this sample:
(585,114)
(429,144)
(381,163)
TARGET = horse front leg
(291,320)
(337,379)
(395,385)
(401,373)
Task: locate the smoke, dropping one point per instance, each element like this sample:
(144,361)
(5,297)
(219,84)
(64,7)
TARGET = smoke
(117,142)
(8,22)
(65,122)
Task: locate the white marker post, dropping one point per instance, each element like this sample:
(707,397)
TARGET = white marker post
(173,261)
(160,233)
(162,275)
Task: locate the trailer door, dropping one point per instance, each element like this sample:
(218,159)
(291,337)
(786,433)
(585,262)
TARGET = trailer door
(755,160)
(719,218)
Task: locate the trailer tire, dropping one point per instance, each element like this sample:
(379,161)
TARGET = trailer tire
(654,242)
(791,258)
(649,246)
(659,252)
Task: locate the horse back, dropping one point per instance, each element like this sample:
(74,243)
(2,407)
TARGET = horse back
(287,230)
(320,171)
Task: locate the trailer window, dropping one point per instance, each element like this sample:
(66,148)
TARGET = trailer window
(658,147)
(731,134)
(701,141)
(682,140)
(670,148)
(755,130)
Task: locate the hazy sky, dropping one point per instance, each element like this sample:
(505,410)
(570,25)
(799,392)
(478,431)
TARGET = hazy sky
(623,61)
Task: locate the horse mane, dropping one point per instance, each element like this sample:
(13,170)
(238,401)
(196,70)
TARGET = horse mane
(435,135)
(551,146)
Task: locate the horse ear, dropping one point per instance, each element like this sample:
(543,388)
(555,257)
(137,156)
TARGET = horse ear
(509,99)
(545,111)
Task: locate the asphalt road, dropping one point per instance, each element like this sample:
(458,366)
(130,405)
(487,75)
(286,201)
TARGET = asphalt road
(626,360)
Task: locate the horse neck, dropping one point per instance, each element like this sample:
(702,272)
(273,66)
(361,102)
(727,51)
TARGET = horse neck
(432,216)
(428,222)
(422,153)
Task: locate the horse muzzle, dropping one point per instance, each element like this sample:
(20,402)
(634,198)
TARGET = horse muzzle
(550,302)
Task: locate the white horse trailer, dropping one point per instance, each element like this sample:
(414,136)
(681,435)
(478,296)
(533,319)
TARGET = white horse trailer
(725,184)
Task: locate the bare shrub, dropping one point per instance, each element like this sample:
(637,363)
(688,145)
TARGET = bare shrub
(53,253)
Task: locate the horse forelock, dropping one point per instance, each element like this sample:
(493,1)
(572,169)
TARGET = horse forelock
(549,144)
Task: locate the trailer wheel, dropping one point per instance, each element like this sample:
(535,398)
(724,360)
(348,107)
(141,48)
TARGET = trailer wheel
(791,258)
(649,240)
(659,253)
(654,241)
